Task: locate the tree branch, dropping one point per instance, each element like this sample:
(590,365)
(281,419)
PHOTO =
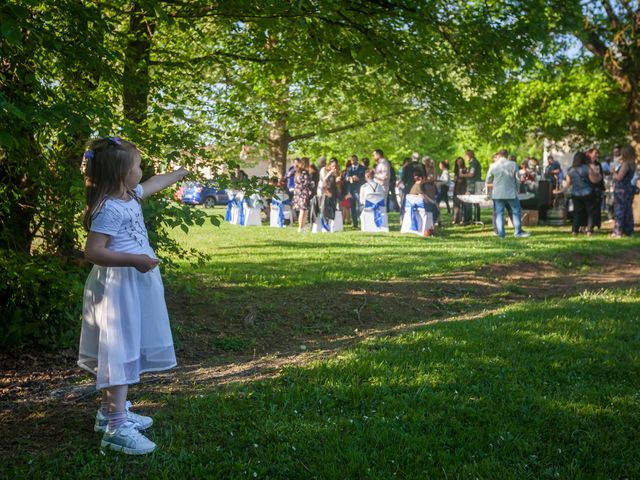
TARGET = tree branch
(592,42)
(362,123)
(214,55)
(611,15)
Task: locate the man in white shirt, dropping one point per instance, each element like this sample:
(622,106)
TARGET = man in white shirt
(503,177)
(383,170)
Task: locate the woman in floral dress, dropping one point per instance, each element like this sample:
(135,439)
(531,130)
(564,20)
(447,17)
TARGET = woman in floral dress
(623,191)
(302,192)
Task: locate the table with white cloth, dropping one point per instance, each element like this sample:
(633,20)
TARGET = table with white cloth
(485,201)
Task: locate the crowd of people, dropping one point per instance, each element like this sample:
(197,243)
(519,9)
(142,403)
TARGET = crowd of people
(588,180)
(326,184)
(327,187)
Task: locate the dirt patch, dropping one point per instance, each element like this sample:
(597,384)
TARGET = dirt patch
(220,345)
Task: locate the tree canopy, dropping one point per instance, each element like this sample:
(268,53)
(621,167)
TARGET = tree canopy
(194,79)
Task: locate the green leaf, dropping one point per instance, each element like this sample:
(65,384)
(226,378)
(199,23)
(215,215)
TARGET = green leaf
(11,32)
(7,140)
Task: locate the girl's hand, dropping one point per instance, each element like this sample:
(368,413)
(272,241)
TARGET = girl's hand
(144,263)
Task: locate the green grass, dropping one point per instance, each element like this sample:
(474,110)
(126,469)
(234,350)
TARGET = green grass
(229,344)
(268,257)
(536,389)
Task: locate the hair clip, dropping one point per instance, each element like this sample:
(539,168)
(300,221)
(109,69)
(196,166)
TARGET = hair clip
(88,154)
(115,140)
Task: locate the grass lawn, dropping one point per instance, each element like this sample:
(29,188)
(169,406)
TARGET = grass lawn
(527,389)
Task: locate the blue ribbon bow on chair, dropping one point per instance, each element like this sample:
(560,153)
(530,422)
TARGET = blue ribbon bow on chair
(241,207)
(280,204)
(325,227)
(377,211)
(231,201)
(414,207)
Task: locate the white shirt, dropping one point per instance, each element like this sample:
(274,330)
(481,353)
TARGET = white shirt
(122,220)
(368,188)
(383,173)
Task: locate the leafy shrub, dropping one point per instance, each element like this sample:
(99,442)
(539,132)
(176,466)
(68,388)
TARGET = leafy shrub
(40,301)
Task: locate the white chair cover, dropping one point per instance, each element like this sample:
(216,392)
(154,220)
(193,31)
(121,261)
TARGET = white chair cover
(252,206)
(280,210)
(416,219)
(337,225)
(240,206)
(374,213)
(233,207)
(328,226)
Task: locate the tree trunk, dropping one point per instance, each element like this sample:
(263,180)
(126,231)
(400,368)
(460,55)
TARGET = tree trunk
(135,91)
(634,115)
(278,144)
(136,79)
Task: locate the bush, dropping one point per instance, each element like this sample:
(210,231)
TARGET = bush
(40,301)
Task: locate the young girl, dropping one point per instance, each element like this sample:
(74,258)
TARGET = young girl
(125,326)
(426,189)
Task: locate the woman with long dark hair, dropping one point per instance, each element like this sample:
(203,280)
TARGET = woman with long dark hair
(623,191)
(459,188)
(598,188)
(302,191)
(580,178)
(443,181)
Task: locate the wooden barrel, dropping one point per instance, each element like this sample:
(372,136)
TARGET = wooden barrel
(557,216)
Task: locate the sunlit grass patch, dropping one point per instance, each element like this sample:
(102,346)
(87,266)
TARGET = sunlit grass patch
(535,390)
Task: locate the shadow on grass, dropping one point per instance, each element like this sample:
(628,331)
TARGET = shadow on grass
(538,390)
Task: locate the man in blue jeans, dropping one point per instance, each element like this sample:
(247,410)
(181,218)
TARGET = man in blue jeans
(503,175)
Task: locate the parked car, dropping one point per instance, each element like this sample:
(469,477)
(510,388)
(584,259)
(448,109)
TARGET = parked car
(203,194)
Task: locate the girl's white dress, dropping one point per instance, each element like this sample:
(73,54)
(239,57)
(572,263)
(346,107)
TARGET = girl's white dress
(125,324)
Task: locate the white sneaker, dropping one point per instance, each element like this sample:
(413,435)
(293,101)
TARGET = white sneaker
(102,421)
(127,439)
(522,235)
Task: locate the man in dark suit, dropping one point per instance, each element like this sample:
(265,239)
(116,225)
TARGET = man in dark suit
(354,178)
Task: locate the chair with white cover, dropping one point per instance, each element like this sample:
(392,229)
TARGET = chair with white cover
(280,210)
(240,201)
(416,219)
(374,213)
(323,225)
(337,224)
(252,205)
(233,210)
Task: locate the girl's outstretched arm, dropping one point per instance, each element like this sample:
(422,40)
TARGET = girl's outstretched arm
(162,181)
(96,252)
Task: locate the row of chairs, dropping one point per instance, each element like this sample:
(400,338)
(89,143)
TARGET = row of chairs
(245,210)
